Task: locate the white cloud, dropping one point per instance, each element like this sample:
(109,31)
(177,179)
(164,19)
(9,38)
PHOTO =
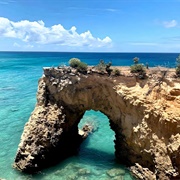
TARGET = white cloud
(170,24)
(29,46)
(111,10)
(36,32)
(6,2)
(16,45)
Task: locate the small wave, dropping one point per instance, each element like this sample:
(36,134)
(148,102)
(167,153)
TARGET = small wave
(3,99)
(7,89)
(14,110)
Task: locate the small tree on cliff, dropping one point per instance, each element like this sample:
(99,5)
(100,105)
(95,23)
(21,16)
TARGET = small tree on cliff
(108,69)
(136,60)
(102,66)
(138,68)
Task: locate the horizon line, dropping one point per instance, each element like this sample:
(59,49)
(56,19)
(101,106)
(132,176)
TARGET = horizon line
(86,52)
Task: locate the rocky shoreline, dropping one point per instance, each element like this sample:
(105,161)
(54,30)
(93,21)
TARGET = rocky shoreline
(144,114)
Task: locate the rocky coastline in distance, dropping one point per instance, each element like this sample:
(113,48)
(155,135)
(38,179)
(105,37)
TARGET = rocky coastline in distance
(143,113)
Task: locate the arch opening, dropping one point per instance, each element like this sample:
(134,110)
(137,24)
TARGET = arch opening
(102,136)
(97,151)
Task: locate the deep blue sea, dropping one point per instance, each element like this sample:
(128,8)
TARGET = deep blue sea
(19,74)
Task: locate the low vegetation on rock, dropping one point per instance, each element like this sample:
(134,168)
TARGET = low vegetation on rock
(116,72)
(178,66)
(74,62)
(103,67)
(77,64)
(108,69)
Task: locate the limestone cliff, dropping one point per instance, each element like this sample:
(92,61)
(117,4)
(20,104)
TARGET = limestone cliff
(144,115)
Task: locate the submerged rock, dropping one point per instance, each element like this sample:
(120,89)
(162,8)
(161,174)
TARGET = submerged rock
(85,131)
(116,172)
(83,171)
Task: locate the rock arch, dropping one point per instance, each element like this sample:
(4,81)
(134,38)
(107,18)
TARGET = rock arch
(141,129)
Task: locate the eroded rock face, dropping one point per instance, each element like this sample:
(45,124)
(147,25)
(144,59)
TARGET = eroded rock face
(144,115)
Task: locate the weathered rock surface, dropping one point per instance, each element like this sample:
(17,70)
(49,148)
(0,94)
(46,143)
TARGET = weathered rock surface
(144,114)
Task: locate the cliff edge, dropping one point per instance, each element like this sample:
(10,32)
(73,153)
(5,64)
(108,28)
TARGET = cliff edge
(144,114)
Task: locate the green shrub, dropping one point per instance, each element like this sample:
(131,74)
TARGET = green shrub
(178,66)
(82,67)
(77,64)
(117,72)
(137,68)
(74,62)
(178,71)
(108,69)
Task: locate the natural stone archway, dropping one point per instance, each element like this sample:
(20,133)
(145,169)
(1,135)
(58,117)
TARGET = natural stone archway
(143,114)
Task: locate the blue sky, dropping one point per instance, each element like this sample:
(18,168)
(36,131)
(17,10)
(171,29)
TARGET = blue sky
(90,25)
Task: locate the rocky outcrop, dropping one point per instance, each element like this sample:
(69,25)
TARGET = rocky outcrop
(144,114)
(85,131)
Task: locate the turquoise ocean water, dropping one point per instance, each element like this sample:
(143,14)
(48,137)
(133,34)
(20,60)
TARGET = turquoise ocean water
(19,74)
